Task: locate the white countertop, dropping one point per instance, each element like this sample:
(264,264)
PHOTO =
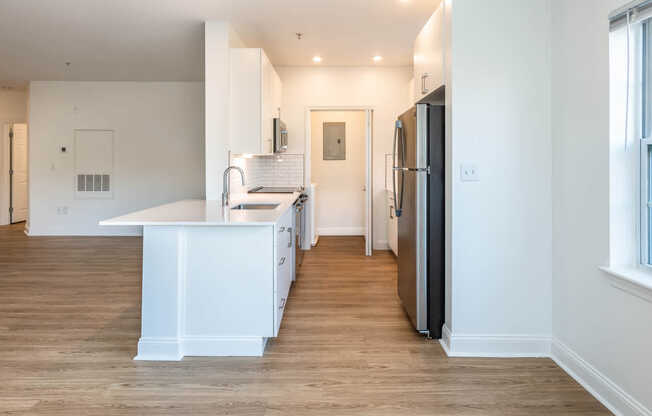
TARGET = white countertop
(199,212)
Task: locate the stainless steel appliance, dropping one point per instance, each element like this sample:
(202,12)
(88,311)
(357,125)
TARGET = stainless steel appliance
(300,216)
(280,136)
(418,182)
(300,227)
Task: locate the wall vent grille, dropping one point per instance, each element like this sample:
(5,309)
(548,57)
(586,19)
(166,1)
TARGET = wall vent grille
(94,182)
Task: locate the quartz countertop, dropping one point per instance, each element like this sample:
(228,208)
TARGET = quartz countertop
(199,212)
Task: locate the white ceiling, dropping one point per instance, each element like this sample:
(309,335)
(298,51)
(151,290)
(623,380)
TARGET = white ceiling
(162,40)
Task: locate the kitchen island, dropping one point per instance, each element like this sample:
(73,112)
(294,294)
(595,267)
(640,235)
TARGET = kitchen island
(215,279)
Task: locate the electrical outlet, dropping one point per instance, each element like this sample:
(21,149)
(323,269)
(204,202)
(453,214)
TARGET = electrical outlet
(62,210)
(469,172)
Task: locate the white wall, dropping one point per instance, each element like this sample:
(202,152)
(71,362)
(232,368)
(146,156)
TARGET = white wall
(13,109)
(382,88)
(340,202)
(501,226)
(608,328)
(158,149)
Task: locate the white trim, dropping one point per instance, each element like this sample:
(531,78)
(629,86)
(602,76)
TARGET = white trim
(600,386)
(369,183)
(4,176)
(445,340)
(368,109)
(223,346)
(483,345)
(606,391)
(158,349)
(341,231)
(174,349)
(636,281)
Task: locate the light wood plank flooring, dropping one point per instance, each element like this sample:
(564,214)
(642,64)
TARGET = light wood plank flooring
(69,324)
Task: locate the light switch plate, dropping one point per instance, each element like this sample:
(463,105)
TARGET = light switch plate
(469,172)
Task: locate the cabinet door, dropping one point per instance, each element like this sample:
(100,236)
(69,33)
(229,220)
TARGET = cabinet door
(277,94)
(245,100)
(429,55)
(267,111)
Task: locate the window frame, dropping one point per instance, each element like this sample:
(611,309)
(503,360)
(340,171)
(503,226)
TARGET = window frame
(645,146)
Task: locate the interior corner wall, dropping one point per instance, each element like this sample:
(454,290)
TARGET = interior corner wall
(382,88)
(501,229)
(605,329)
(158,150)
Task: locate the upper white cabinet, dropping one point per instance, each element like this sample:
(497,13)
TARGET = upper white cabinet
(429,49)
(255,99)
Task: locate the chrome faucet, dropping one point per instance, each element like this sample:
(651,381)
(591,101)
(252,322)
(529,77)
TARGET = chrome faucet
(226,197)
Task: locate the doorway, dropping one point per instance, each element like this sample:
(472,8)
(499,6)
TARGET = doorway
(338,161)
(14,178)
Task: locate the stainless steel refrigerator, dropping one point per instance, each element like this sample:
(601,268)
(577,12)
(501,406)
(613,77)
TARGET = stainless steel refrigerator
(418,182)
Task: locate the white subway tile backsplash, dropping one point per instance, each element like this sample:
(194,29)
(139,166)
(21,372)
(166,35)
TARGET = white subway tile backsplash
(268,170)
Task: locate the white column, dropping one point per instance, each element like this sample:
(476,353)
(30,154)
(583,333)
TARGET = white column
(217,93)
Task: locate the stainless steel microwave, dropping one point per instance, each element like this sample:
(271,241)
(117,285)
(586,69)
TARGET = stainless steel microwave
(280,136)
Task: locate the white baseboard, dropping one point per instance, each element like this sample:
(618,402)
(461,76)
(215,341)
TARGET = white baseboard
(91,233)
(341,231)
(174,349)
(600,386)
(158,349)
(495,345)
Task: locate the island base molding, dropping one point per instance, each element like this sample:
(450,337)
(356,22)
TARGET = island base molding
(174,349)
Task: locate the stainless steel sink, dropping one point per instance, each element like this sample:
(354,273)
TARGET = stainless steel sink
(255,206)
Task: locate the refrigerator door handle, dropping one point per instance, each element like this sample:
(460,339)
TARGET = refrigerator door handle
(398,137)
(427,170)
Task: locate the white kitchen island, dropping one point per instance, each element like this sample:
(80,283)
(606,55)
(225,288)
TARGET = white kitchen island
(215,280)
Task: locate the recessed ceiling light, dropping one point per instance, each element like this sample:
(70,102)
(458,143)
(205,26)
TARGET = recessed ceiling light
(316,59)
(377,58)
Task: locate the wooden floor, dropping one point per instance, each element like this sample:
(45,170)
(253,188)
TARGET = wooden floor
(69,324)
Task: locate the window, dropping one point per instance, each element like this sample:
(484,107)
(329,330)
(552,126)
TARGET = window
(630,152)
(645,117)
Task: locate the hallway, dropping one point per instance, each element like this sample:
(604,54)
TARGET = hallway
(70,321)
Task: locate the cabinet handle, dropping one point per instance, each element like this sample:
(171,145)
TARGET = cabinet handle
(282,305)
(281,230)
(391,212)
(424,90)
(282,261)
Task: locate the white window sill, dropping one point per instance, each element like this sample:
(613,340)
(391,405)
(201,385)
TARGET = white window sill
(634,280)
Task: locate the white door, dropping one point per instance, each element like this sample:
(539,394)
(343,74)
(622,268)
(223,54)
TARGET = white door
(19,173)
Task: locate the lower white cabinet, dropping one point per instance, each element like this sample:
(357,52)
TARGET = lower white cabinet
(283,273)
(392,224)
